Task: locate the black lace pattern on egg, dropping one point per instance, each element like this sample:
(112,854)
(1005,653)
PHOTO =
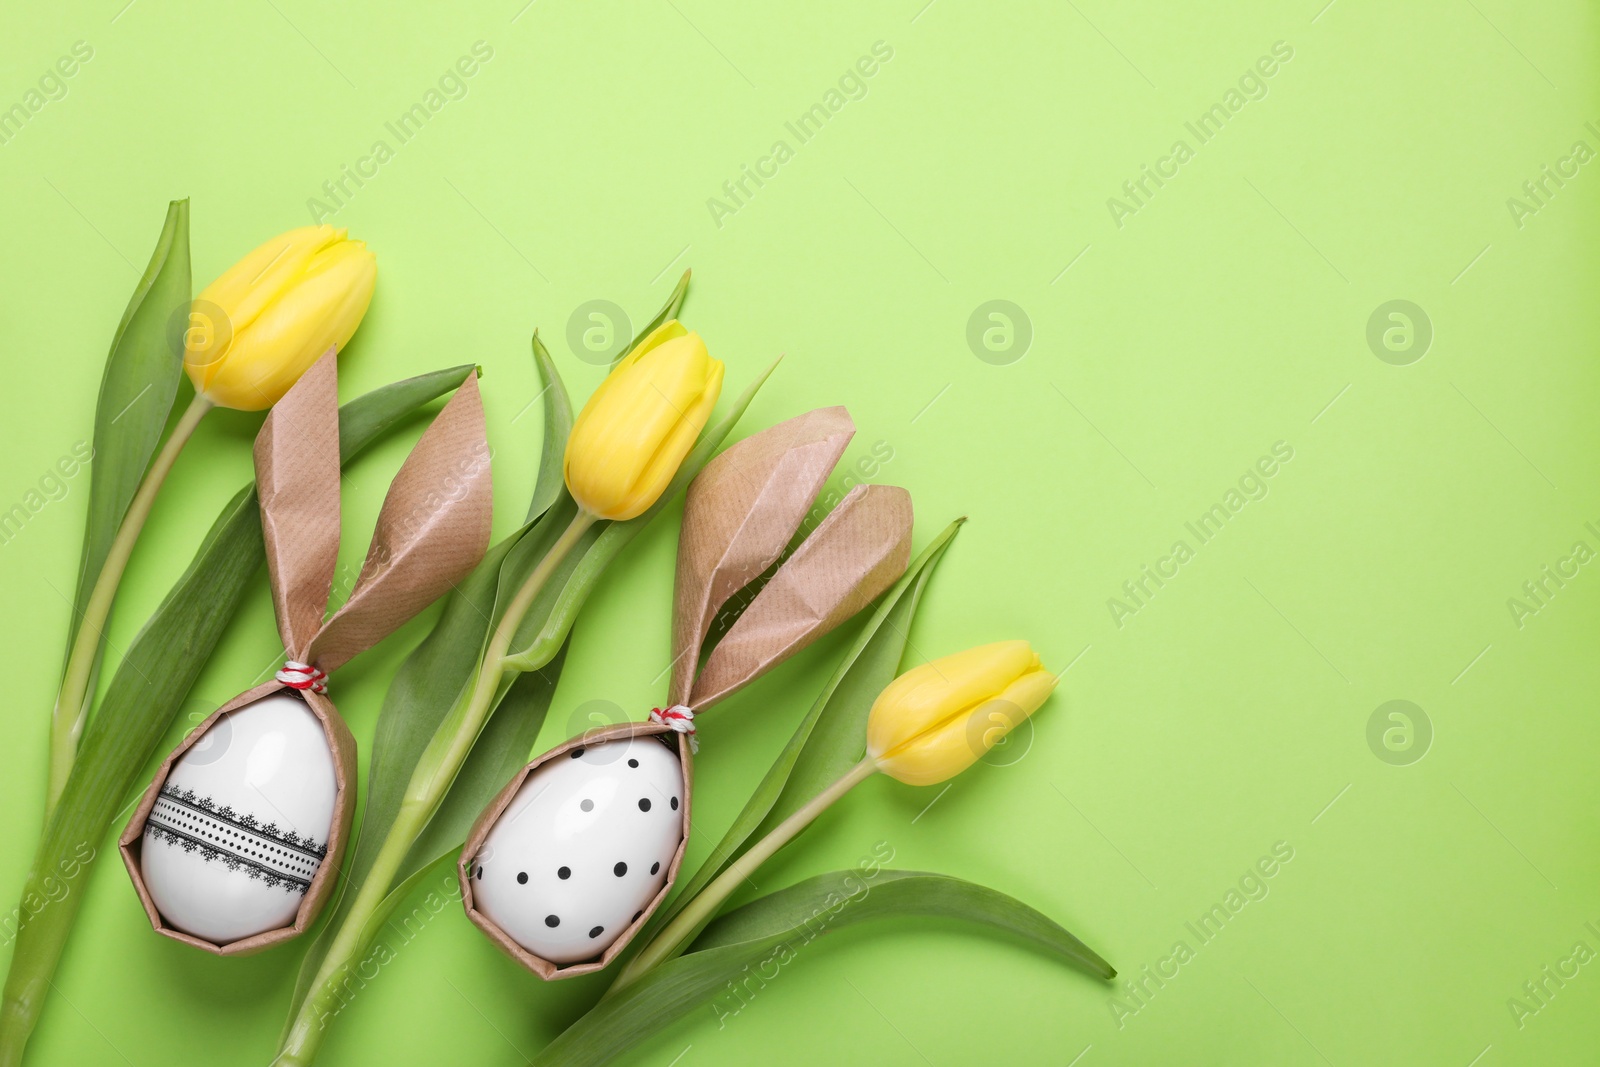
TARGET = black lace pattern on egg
(197,824)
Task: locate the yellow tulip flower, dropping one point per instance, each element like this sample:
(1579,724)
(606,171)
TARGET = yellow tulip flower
(261,325)
(633,433)
(929,724)
(934,721)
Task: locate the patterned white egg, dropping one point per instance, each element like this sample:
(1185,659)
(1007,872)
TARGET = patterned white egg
(582,848)
(242,822)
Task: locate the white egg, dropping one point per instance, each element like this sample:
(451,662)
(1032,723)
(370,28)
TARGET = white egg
(242,822)
(582,848)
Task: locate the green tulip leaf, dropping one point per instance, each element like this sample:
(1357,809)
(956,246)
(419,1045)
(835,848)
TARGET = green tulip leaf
(557,428)
(776,929)
(140,382)
(150,685)
(832,737)
(669,310)
(426,686)
(423,691)
(501,751)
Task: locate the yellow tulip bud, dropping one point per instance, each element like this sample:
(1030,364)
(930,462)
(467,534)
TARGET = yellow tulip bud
(633,433)
(270,316)
(934,721)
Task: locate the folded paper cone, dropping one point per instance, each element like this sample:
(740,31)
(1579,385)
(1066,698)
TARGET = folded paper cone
(255,857)
(580,848)
(584,881)
(237,842)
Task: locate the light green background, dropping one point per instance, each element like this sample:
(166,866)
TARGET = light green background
(1228,313)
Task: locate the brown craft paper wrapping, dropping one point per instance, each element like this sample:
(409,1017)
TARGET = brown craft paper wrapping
(491,814)
(342,744)
(856,553)
(740,514)
(432,530)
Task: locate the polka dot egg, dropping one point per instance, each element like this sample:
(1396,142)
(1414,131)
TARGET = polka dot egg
(582,848)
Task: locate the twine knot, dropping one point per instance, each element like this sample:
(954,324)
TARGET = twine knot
(680,718)
(297,675)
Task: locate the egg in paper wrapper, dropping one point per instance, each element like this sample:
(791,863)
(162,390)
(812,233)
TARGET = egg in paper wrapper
(242,822)
(582,848)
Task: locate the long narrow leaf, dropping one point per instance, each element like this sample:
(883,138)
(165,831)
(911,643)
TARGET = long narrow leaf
(150,685)
(811,906)
(774,930)
(140,382)
(500,751)
(832,736)
(422,692)
(837,738)
(557,427)
(669,310)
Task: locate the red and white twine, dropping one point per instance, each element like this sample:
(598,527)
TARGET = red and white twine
(680,718)
(297,675)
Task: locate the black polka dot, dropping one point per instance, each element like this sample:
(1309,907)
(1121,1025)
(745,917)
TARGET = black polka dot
(674,803)
(522,877)
(480,874)
(587,805)
(620,869)
(654,867)
(597,931)
(633,763)
(576,753)
(636,916)
(564,873)
(552,920)
(644,803)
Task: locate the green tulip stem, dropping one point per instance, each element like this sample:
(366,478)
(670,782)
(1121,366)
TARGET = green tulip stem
(430,781)
(676,935)
(72,701)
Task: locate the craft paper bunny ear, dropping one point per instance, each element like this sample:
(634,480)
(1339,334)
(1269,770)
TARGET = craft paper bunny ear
(564,897)
(237,843)
(432,530)
(739,515)
(858,551)
(297,483)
